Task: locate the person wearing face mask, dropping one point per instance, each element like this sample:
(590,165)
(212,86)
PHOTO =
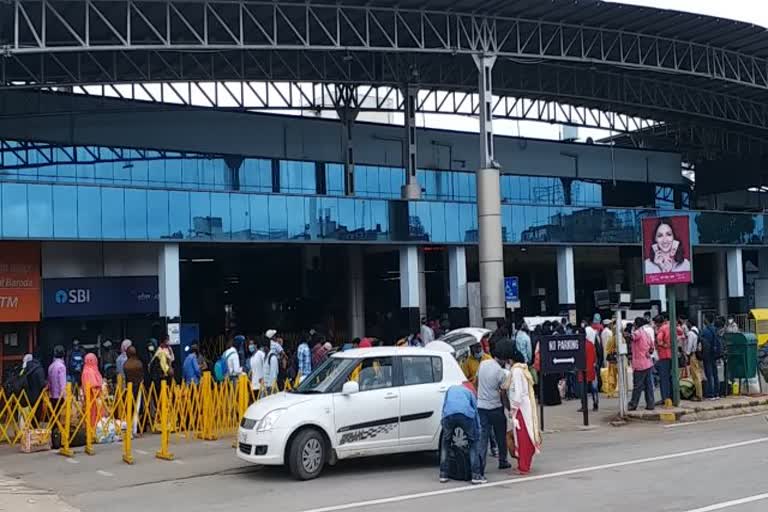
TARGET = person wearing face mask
(472,362)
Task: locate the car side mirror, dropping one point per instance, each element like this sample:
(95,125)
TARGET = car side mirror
(350,388)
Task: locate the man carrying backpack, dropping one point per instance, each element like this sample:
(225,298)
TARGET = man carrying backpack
(229,362)
(711,351)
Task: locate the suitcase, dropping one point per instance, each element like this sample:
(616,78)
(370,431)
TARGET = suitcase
(35,440)
(459,467)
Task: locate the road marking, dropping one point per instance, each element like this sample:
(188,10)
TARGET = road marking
(177,461)
(468,488)
(713,420)
(104,473)
(142,452)
(732,503)
(72,461)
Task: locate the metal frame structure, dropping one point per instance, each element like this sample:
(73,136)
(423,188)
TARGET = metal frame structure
(64,26)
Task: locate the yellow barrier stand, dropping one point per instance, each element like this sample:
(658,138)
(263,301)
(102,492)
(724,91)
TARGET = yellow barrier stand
(89,428)
(66,427)
(165,433)
(242,403)
(206,411)
(127,437)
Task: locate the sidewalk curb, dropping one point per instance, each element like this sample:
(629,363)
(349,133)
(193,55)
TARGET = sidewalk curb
(700,413)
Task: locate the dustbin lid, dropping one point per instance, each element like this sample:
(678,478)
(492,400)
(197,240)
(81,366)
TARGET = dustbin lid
(740,338)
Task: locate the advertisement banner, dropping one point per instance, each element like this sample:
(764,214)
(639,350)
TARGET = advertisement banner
(19,282)
(667,253)
(100,296)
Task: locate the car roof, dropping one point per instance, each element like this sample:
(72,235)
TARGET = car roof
(388,352)
(475,332)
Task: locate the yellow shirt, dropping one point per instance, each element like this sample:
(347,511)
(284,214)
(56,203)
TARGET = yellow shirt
(472,365)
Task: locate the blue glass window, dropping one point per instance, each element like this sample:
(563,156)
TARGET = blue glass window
(297,177)
(259,213)
(221,224)
(136,214)
(334,179)
(256,175)
(40,210)
(179,218)
(65,212)
(89,212)
(203,225)
(15,213)
(240,228)
(278,218)
(157,213)
(112,213)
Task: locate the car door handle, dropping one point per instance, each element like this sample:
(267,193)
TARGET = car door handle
(390,396)
(442,389)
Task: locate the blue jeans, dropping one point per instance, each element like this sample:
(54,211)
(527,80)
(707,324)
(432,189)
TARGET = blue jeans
(712,388)
(664,367)
(450,423)
(493,422)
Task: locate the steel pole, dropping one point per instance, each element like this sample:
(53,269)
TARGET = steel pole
(672,306)
(491,250)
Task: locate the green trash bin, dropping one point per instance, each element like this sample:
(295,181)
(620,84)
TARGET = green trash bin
(742,355)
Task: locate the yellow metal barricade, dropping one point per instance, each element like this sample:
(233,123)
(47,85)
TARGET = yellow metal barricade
(128,436)
(165,428)
(66,426)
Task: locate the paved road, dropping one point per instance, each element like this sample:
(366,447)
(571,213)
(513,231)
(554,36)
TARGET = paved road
(701,467)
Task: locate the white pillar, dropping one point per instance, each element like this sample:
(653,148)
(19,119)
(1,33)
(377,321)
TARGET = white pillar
(356,293)
(566,282)
(457,277)
(735,273)
(409,277)
(721,283)
(169,283)
(659,297)
(422,284)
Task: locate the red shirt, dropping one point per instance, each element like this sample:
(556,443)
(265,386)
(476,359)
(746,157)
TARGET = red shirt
(664,341)
(591,359)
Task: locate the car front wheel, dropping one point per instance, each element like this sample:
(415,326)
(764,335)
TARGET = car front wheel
(307,455)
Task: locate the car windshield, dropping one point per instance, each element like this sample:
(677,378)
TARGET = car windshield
(321,380)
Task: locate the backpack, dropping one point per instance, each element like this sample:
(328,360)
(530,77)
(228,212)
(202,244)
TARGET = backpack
(221,368)
(718,343)
(76,362)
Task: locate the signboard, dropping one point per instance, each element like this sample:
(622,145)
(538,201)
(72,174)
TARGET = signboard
(174,334)
(667,255)
(511,291)
(99,296)
(19,282)
(560,354)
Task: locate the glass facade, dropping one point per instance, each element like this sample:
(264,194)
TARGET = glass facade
(107,194)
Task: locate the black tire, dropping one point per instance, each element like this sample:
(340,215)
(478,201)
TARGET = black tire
(307,455)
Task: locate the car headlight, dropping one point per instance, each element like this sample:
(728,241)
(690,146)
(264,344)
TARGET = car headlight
(268,421)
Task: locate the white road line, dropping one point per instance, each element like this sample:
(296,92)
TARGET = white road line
(72,461)
(732,503)
(713,420)
(142,452)
(104,473)
(468,488)
(177,461)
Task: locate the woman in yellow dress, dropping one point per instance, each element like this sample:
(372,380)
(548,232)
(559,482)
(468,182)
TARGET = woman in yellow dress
(611,376)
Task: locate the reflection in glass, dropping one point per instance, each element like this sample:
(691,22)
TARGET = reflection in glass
(89,212)
(259,213)
(221,225)
(112,213)
(40,210)
(157,213)
(14,208)
(203,225)
(135,214)
(179,223)
(278,218)
(240,228)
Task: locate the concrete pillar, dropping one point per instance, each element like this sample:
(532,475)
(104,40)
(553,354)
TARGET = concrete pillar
(458,312)
(489,204)
(658,299)
(566,283)
(422,283)
(735,269)
(356,293)
(169,283)
(411,189)
(410,289)
(721,283)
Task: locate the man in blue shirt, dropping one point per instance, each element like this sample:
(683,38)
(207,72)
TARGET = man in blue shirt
(460,411)
(304,359)
(191,368)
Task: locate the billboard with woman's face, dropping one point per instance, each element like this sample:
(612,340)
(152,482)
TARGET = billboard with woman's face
(667,250)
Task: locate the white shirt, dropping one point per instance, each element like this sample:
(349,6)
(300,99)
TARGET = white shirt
(257,369)
(427,334)
(652,335)
(233,361)
(605,336)
(693,341)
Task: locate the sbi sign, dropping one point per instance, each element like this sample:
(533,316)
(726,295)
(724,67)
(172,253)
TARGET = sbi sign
(73,296)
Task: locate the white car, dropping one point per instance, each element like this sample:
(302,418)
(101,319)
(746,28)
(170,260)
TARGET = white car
(358,403)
